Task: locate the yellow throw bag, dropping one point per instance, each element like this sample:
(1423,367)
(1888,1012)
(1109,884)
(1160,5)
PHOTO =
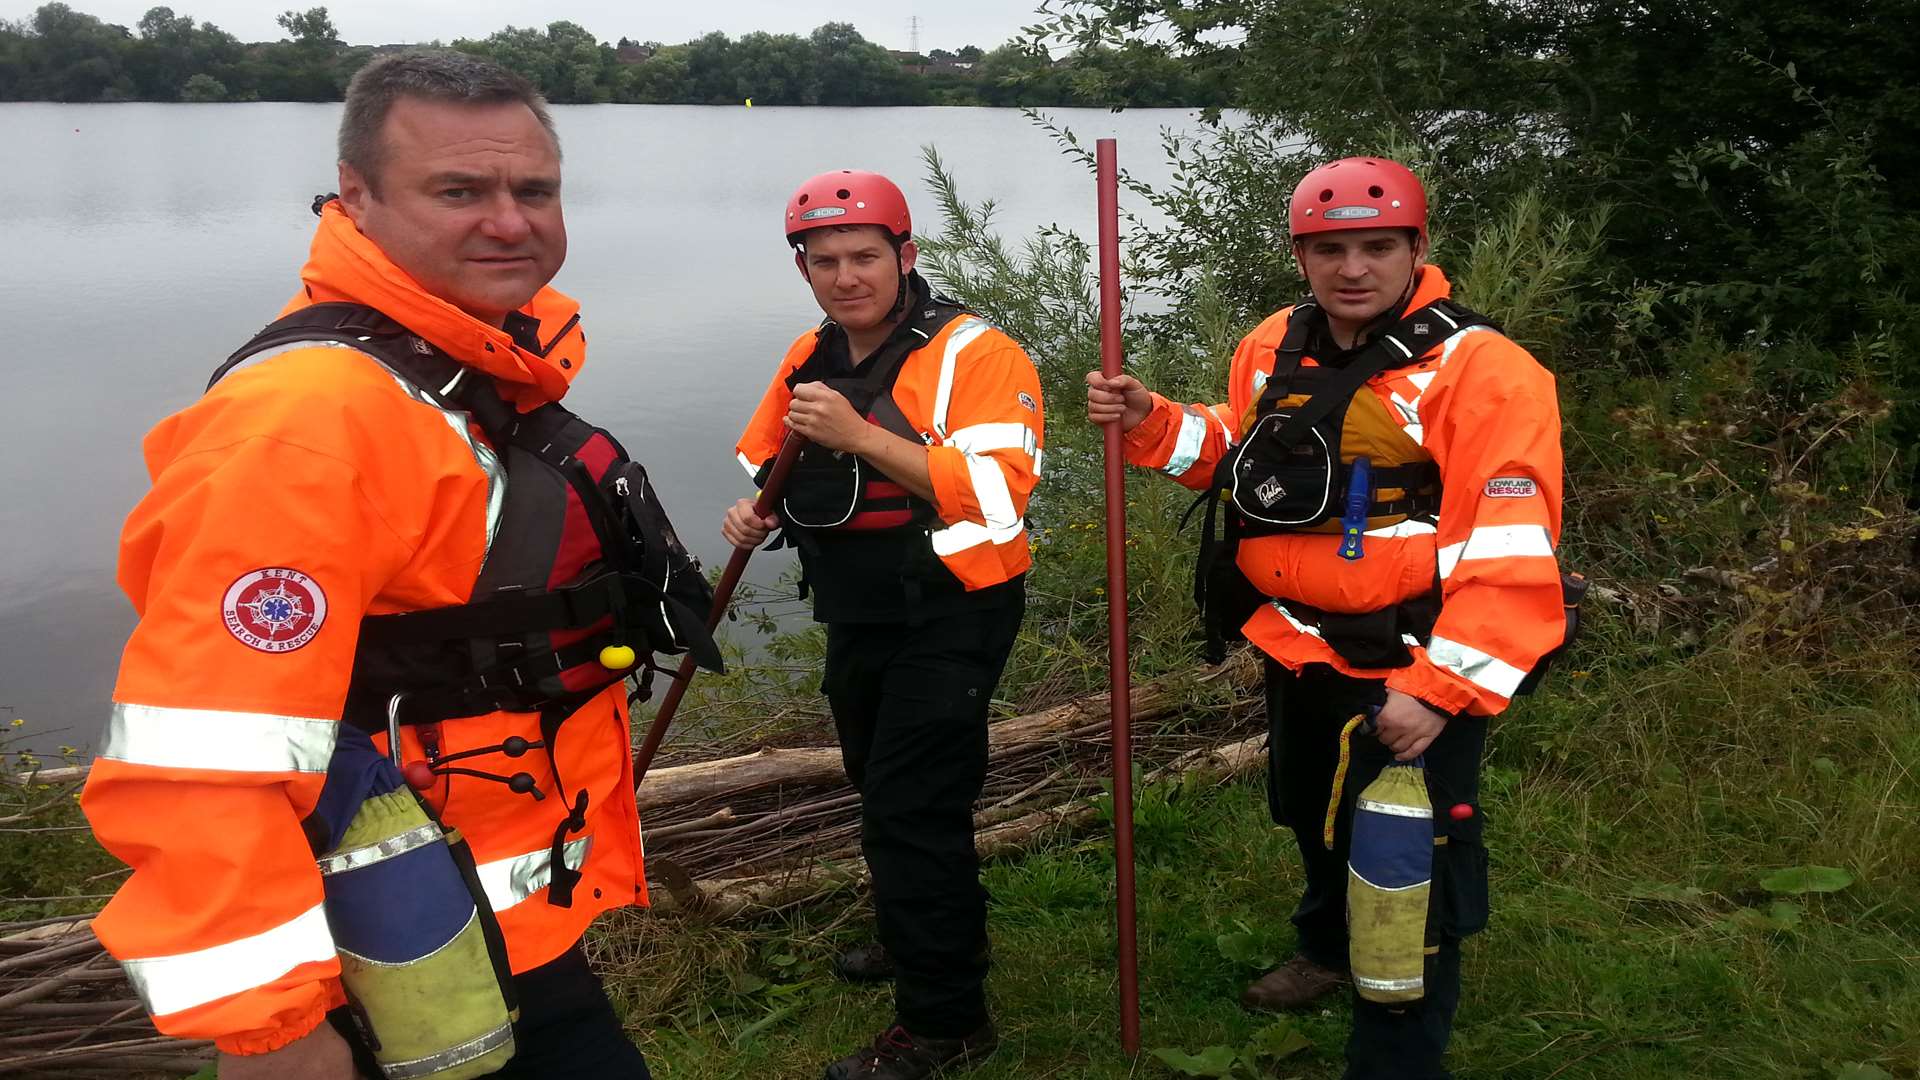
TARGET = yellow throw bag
(430,990)
(1389,879)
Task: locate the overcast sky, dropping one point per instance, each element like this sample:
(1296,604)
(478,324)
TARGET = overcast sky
(985,23)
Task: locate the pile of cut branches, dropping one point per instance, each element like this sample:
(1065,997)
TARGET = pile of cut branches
(725,837)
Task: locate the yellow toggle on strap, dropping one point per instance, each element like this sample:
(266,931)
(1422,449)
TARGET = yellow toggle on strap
(1340,775)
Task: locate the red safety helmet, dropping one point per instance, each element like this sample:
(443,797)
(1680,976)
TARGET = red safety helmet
(1358,193)
(848,197)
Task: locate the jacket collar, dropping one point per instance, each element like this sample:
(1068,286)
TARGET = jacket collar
(344,265)
(1431,285)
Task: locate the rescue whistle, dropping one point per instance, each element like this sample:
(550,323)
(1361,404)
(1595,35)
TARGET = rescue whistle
(1353,523)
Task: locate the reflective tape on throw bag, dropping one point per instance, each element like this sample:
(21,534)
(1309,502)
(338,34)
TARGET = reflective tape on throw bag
(1389,879)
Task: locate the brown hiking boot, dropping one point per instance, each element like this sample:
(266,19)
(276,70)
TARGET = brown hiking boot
(1294,984)
(898,1054)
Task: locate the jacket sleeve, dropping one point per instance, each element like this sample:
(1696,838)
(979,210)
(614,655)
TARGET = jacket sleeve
(1184,441)
(1187,441)
(250,565)
(1495,432)
(987,460)
(767,429)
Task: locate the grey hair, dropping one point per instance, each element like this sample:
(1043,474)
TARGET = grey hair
(435,75)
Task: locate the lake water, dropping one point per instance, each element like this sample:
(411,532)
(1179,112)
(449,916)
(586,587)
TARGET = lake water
(145,242)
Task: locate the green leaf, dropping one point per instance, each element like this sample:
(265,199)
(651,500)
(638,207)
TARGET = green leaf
(1860,1070)
(1210,1061)
(747,1034)
(1275,1041)
(1242,948)
(1795,880)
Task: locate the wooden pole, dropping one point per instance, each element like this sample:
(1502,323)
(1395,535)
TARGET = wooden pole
(790,449)
(1111,350)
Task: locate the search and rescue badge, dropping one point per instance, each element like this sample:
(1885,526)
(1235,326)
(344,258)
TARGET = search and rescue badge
(274,610)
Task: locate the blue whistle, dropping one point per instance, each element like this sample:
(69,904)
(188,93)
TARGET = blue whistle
(1353,523)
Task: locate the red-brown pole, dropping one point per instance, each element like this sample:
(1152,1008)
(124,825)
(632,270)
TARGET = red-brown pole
(790,449)
(1110,360)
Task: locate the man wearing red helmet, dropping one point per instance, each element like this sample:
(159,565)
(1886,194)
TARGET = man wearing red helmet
(1389,469)
(908,506)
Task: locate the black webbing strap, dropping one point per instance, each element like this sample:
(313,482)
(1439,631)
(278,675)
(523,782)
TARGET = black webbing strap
(572,608)
(1405,343)
(365,329)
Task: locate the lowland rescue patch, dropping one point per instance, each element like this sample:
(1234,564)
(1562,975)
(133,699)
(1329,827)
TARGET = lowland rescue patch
(1511,487)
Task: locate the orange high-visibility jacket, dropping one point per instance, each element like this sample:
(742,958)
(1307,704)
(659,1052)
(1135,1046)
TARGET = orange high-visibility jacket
(974,397)
(1488,413)
(360,498)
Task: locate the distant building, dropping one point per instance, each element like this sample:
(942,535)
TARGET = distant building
(630,53)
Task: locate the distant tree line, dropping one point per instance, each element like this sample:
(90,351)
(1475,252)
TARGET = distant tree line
(59,54)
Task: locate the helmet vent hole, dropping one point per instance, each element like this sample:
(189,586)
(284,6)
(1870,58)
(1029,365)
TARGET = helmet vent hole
(843,193)
(803,200)
(1326,195)
(1376,191)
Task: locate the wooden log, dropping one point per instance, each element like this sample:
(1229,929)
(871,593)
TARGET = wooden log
(172,1049)
(731,897)
(48,929)
(49,954)
(66,774)
(821,766)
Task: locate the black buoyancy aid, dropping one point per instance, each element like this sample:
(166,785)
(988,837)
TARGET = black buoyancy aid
(582,560)
(1294,460)
(1292,467)
(582,557)
(833,489)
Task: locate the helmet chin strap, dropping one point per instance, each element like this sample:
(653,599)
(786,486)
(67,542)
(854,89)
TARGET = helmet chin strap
(900,296)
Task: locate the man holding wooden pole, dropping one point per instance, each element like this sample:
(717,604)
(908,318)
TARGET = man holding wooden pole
(1389,469)
(924,427)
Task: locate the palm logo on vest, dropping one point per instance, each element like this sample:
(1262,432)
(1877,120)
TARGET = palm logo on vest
(274,610)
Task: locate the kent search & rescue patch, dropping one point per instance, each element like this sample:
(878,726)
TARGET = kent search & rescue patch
(275,610)
(1511,487)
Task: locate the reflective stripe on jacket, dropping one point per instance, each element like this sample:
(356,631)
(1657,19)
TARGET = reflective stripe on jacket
(318,461)
(1488,413)
(974,397)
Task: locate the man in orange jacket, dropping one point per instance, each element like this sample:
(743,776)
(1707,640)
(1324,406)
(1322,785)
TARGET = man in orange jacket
(908,510)
(310,503)
(1390,467)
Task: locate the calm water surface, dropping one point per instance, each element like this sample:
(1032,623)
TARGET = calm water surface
(145,242)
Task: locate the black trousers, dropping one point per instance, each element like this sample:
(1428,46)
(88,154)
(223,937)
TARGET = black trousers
(567,1028)
(1305,714)
(910,703)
